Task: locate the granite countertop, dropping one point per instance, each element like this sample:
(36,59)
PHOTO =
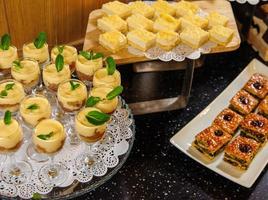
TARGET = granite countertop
(157,170)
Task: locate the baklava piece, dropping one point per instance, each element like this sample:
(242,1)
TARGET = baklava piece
(141,39)
(263,107)
(117,8)
(113,41)
(211,141)
(221,35)
(241,151)
(111,23)
(243,102)
(194,37)
(257,86)
(228,120)
(255,126)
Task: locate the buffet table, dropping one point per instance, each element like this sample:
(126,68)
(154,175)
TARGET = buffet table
(155,168)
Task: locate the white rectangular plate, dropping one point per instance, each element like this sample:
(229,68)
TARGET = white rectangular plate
(183,139)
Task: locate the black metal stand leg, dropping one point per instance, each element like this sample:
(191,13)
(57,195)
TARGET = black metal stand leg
(168,104)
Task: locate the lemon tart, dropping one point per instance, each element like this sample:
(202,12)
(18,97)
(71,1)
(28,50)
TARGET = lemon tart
(49,136)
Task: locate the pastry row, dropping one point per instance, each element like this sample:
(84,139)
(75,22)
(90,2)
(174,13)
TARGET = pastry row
(247,112)
(163,24)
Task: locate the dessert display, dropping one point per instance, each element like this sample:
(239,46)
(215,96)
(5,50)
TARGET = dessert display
(108,76)
(27,72)
(72,95)
(256,127)
(243,102)
(55,73)
(257,86)
(117,8)
(138,21)
(11,134)
(89,126)
(221,35)
(185,8)
(167,39)
(139,7)
(104,98)
(228,121)
(241,151)
(263,107)
(215,18)
(113,41)
(87,64)
(11,94)
(141,39)
(35,108)
(69,54)
(162,6)
(8,54)
(38,49)
(49,136)
(194,37)
(211,141)
(111,23)
(166,22)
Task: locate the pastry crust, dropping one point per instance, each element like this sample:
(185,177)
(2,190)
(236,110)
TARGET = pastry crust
(255,126)
(211,141)
(243,102)
(228,120)
(263,107)
(241,151)
(257,86)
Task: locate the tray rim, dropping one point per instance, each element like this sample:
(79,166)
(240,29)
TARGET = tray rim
(255,63)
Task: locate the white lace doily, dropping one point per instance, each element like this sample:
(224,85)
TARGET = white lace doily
(106,152)
(179,53)
(253,2)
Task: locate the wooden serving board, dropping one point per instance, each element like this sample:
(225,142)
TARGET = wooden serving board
(124,57)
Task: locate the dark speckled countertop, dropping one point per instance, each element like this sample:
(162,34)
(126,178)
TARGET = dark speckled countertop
(157,170)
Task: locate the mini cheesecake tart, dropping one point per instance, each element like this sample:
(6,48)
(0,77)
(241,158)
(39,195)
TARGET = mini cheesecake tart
(87,131)
(7,57)
(162,6)
(27,73)
(69,54)
(52,78)
(53,136)
(101,78)
(85,68)
(11,135)
(139,7)
(33,109)
(72,98)
(11,94)
(106,106)
(30,51)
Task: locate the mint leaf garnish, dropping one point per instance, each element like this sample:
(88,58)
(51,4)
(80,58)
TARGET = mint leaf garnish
(74,85)
(5,42)
(59,62)
(33,106)
(115,92)
(45,136)
(60,49)
(40,40)
(91,101)
(7,117)
(110,65)
(97,118)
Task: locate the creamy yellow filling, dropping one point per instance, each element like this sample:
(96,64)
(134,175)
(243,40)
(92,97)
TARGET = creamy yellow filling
(101,78)
(166,22)
(72,99)
(52,76)
(139,7)
(69,54)
(184,8)
(83,127)
(116,8)
(14,95)
(53,143)
(28,72)
(88,67)
(10,135)
(106,106)
(30,51)
(113,40)
(33,116)
(138,21)
(161,6)
(112,22)
(7,57)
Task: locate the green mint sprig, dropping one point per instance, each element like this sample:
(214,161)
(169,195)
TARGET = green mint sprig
(97,118)
(5,42)
(17,64)
(59,62)
(90,55)
(7,117)
(110,65)
(60,48)
(40,40)
(74,85)
(8,87)
(46,136)
(33,107)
